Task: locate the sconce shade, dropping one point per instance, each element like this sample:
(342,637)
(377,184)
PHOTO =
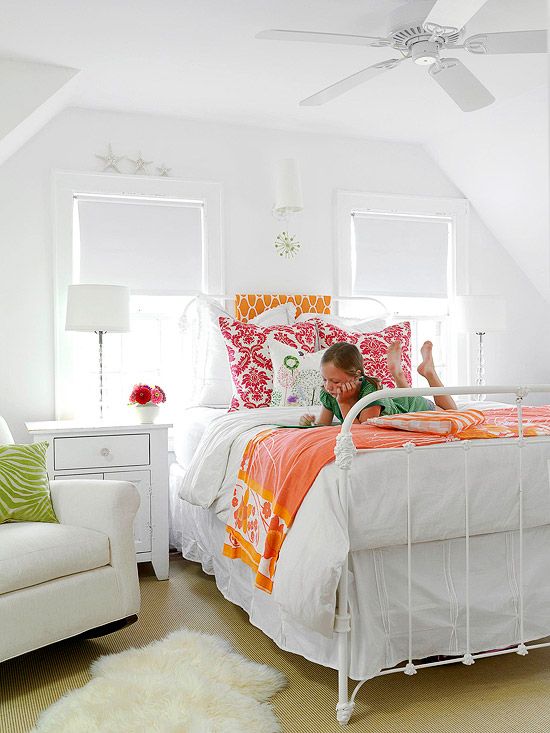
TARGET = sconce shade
(481,313)
(98,308)
(288,187)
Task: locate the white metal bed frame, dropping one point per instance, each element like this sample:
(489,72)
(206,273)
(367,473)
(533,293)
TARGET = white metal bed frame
(344,452)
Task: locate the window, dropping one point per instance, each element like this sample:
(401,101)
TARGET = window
(165,246)
(408,253)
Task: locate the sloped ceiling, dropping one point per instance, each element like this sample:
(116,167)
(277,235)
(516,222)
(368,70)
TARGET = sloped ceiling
(201,60)
(32,94)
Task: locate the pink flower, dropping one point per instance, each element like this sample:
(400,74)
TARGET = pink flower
(157,395)
(143,393)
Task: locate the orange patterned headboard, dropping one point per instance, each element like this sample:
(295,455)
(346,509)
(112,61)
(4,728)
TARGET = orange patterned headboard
(249,305)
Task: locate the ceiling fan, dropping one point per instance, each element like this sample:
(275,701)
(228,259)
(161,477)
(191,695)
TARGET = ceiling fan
(422,38)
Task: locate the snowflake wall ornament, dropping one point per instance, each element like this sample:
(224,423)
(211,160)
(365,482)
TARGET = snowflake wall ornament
(287,245)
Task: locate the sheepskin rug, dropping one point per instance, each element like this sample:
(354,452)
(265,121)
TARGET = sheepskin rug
(187,683)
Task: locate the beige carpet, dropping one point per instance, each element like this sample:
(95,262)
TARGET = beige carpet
(506,693)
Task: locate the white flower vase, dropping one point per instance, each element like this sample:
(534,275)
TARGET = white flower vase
(146,413)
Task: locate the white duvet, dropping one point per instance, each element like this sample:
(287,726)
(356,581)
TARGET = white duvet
(315,548)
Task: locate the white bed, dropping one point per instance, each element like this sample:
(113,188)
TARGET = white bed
(299,615)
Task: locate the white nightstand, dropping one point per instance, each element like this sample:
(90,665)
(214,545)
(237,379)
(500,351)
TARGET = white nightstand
(136,453)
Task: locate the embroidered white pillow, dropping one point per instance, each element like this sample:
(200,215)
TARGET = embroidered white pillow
(297,377)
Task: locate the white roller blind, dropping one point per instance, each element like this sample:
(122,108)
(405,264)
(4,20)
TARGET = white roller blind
(400,255)
(151,246)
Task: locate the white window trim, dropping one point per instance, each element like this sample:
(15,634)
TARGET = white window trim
(455,209)
(65,185)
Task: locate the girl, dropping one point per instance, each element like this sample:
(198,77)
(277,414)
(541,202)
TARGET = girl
(344,383)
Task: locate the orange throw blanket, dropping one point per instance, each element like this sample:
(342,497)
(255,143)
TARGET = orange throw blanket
(277,470)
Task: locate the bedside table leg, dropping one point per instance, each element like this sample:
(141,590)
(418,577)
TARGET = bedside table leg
(161,565)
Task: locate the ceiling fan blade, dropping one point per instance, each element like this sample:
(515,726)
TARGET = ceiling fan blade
(510,42)
(314,37)
(461,85)
(453,13)
(344,85)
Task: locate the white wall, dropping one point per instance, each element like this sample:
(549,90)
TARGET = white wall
(242,159)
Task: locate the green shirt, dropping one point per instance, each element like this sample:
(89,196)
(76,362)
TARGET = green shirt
(389,405)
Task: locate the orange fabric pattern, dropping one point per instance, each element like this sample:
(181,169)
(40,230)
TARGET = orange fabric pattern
(277,470)
(250,305)
(503,423)
(449,422)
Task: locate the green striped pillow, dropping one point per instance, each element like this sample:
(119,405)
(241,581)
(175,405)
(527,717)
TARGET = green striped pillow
(24,486)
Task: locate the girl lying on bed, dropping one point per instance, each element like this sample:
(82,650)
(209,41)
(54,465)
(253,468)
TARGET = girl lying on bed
(345,383)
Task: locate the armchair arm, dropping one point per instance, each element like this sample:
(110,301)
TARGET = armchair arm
(109,507)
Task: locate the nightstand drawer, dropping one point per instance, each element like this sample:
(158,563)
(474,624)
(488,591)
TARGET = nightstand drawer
(101,451)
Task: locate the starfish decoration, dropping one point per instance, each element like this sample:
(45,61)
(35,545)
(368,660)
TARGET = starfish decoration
(110,160)
(287,245)
(140,164)
(163,170)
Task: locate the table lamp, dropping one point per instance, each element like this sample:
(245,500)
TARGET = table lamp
(98,308)
(480,314)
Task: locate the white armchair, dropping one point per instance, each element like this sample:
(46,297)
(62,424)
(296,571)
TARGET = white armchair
(59,580)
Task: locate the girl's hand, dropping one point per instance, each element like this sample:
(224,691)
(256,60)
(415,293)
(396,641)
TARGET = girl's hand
(347,393)
(307,420)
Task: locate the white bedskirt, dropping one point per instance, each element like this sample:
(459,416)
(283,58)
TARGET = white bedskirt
(378,593)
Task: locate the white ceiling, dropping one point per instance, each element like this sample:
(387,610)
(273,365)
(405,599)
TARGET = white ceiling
(199,58)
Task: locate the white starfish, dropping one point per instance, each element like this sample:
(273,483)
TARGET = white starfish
(110,160)
(163,170)
(140,164)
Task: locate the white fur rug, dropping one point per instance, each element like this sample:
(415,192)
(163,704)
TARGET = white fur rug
(186,683)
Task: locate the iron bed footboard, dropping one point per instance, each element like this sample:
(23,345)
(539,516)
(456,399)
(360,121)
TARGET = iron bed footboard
(344,452)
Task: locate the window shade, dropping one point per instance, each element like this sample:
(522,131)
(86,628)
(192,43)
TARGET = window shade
(403,256)
(150,246)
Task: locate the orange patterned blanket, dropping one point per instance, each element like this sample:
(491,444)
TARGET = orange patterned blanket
(277,470)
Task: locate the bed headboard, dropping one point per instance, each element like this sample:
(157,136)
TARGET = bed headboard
(249,305)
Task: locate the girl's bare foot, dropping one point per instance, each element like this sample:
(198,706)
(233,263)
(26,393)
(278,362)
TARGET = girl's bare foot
(426,368)
(394,361)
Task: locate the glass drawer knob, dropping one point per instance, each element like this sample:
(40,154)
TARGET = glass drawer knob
(105,452)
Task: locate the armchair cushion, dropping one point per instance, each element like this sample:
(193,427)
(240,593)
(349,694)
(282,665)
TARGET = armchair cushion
(35,552)
(24,487)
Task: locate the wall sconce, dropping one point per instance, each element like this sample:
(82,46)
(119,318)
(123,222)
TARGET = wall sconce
(288,188)
(288,201)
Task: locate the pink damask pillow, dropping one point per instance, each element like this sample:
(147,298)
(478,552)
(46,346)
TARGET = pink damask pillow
(249,359)
(373,347)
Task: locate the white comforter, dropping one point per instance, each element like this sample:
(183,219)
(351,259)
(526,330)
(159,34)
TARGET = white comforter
(312,555)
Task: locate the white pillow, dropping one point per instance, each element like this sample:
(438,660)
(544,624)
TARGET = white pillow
(212,385)
(297,377)
(353,324)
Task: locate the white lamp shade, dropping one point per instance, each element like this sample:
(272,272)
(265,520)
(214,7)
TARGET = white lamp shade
(288,187)
(98,308)
(481,313)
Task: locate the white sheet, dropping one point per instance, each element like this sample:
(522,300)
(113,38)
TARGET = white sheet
(189,428)
(378,596)
(306,589)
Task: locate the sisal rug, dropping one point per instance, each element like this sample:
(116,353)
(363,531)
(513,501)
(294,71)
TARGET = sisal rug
(188,682)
